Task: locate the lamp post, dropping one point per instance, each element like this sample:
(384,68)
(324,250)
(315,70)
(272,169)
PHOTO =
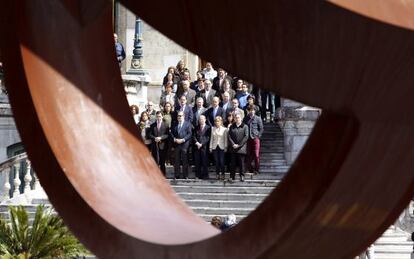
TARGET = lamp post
(136,62)
(137,78)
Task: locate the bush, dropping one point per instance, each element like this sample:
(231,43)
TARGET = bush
(47,237)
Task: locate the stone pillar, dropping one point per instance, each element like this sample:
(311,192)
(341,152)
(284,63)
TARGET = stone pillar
(136,89)
(296,121)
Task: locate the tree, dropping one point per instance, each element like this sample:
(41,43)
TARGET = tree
(47,237)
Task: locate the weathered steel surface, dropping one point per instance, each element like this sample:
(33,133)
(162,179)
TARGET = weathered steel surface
(350,182)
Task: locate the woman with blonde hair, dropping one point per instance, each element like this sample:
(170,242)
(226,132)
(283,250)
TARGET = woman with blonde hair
(218,145)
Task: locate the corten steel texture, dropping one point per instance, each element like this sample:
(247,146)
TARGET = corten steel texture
(350,182)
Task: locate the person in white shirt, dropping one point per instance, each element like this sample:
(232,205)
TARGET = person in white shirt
(209,72)
(218,145)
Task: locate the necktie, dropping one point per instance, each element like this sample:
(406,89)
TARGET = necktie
(159,125)
(214,113)
(179,127)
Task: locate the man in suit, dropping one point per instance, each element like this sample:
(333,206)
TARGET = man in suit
(159,134)
(214,111)
(255,125)
(218,81)
(226,104)
(238,136)
(235,108)
(151,111)
(187,92)
(198,110)
(208,93)
(181,135)
(201,138)
(185,108)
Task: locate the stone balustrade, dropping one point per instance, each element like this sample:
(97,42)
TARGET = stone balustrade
(17,177)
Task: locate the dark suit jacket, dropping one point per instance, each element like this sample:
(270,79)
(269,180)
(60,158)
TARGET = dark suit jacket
(216,82)
(190,96)
(163,133)
(208,98)
(202,112)
(202,136)
(210,115)
(238,135)
(188,113)
(185,133)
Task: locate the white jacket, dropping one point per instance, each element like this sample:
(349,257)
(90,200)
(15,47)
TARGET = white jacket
(219,138)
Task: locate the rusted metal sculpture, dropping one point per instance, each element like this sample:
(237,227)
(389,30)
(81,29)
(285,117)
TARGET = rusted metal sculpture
(350,182)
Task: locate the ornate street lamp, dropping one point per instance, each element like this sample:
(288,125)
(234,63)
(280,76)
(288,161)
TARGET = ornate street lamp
(136,62)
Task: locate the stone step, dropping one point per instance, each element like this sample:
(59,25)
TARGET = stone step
(272,163)
(222,189)
(213,177)
(397,237)
(274,150)
(392,256)
(276,172)
(276,155)
(223,203)
(247,183)
(222,196)
(394,247)
(208,217)
(222,211)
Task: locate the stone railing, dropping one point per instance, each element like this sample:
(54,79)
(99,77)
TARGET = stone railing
(406,220)
(17,177)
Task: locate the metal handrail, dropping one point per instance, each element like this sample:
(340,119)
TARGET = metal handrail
(8,162)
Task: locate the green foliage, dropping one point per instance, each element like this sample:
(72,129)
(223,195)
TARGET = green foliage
(46,238)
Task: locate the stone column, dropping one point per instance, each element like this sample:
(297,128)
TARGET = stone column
(296,121)
(136,89)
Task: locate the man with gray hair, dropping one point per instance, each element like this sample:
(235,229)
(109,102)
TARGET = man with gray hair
(208,93)
(151,111)
(198,110)
(214,111)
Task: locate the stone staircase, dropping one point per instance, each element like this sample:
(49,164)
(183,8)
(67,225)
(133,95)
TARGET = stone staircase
(212,197)
(393,244)
(217,198)
(272,158)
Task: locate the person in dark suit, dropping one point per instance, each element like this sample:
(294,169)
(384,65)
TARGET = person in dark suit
(238,136)
(159,134)
(185,108)
(198,110)
(255,125)
(187,92)
(226,104)
(181,134)
(218,81)
(201,138)
(208,93)
(214,111)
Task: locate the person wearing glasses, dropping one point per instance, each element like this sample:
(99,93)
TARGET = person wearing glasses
(181,135)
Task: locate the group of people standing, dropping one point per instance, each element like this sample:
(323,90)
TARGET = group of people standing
(201,120)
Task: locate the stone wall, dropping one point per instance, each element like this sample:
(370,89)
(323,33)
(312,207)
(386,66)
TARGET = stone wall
(296,121)
(159,51)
